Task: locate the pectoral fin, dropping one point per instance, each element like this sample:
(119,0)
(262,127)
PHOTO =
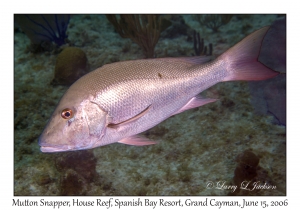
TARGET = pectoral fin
(136,117)
(137,141)
(195,102)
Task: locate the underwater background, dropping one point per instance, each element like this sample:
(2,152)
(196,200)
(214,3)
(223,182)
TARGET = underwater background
(242,136)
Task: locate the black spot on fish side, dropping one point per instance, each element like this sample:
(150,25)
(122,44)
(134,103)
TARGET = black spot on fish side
(159,75)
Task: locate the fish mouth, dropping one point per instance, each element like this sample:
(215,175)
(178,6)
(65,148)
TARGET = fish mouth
(54,149)
(50,147)
(46,147)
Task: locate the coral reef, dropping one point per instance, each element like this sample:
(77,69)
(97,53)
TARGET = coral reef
(175,26)
(247,167)
(77,170)
(213,22)
(199,47)
(251,178)
(71,64)
(194,147)
(142,29)
(44,29)
(269,97)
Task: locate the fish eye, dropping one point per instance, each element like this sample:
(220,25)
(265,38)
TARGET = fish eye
(67,113)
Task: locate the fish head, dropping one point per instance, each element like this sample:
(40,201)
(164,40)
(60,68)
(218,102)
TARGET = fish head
(77,123)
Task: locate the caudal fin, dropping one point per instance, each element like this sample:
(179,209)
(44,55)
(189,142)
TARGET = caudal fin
(242,59)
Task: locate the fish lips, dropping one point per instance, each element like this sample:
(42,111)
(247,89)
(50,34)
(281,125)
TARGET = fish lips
(53,149)
(46,147)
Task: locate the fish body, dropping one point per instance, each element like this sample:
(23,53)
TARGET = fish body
(116,102)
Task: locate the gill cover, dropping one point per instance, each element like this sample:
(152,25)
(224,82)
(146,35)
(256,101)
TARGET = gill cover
(74,125)
(96,119)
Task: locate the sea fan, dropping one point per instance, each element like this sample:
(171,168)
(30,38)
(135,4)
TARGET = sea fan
(44,28)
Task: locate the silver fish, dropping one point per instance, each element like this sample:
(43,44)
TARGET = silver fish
(116,102)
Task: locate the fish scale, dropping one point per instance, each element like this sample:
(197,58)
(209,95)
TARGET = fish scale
(116,102)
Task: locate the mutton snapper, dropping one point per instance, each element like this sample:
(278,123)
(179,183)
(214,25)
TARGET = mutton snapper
(116,102)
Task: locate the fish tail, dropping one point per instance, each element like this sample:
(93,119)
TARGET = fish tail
(242,59)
